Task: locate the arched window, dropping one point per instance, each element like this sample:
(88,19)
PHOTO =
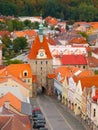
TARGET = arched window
(25,73)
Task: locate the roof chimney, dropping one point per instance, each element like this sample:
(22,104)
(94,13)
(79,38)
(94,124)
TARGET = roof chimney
(7,104)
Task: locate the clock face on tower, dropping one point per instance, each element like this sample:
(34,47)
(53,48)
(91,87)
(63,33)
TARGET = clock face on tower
(41,54)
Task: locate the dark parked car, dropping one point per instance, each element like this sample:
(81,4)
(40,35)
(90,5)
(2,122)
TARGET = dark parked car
(43,128)
(38,125)
(36,112)
(41,120)
(38,117)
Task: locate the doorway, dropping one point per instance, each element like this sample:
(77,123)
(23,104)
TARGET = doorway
(43,90)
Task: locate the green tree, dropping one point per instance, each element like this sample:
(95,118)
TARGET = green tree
(9,25)
(35,25)
(27,23)
(84,34)
(7,42)
(19,44)
(17,25)
(87,12)
(8,8)
(13,62)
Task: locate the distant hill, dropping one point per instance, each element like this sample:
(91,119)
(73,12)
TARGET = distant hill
(72,10)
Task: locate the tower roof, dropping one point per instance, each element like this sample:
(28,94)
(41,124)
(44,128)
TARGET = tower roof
(39,45)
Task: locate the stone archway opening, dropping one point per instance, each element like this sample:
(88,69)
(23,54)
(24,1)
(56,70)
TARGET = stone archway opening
(43,90)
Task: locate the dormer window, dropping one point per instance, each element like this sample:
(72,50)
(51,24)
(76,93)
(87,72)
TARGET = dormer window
(25,73)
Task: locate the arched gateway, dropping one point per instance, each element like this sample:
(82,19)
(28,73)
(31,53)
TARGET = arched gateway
(40,60)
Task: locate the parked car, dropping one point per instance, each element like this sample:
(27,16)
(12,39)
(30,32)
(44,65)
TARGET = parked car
(38,117)
(35,114)
(36,109)
(43,128)
(38,125)
(41,120)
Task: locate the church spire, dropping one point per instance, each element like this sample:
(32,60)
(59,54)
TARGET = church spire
(41,30)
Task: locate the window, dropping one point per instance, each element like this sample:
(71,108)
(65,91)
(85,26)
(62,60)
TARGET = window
(41,68)
(25,73)
(24,80)
(41,62)
(46,62)
(94,114)
(84,67)
(35,62)
(28,80)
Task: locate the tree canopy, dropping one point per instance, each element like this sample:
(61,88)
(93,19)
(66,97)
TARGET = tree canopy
(65,9)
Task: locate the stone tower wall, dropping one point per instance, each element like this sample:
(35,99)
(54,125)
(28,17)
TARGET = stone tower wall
(41,68)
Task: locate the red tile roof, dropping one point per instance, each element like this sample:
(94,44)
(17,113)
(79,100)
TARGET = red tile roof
(87,81)
(24,119)
(17,70)
(11,122)
(71,71)
(24,33)
(4,33)
(51,75)
(52,21)
(78,41)
(38,45)
(13,101)
(51,41)
(73,60)
(94,25)
(3,120)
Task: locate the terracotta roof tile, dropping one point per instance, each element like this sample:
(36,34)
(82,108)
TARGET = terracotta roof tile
(37,45)
(4,33)
(13,123)
(94,25)
(87,81)
(51,20)
(24,119)
(51,75)
(71,71)
(51,41)
(73,60)
(14,101)
(3,120)
(24,33)
(68,71)
(88,48)
(17,70)
(78,40)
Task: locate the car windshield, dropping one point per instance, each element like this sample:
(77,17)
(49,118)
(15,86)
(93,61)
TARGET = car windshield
(43,129)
